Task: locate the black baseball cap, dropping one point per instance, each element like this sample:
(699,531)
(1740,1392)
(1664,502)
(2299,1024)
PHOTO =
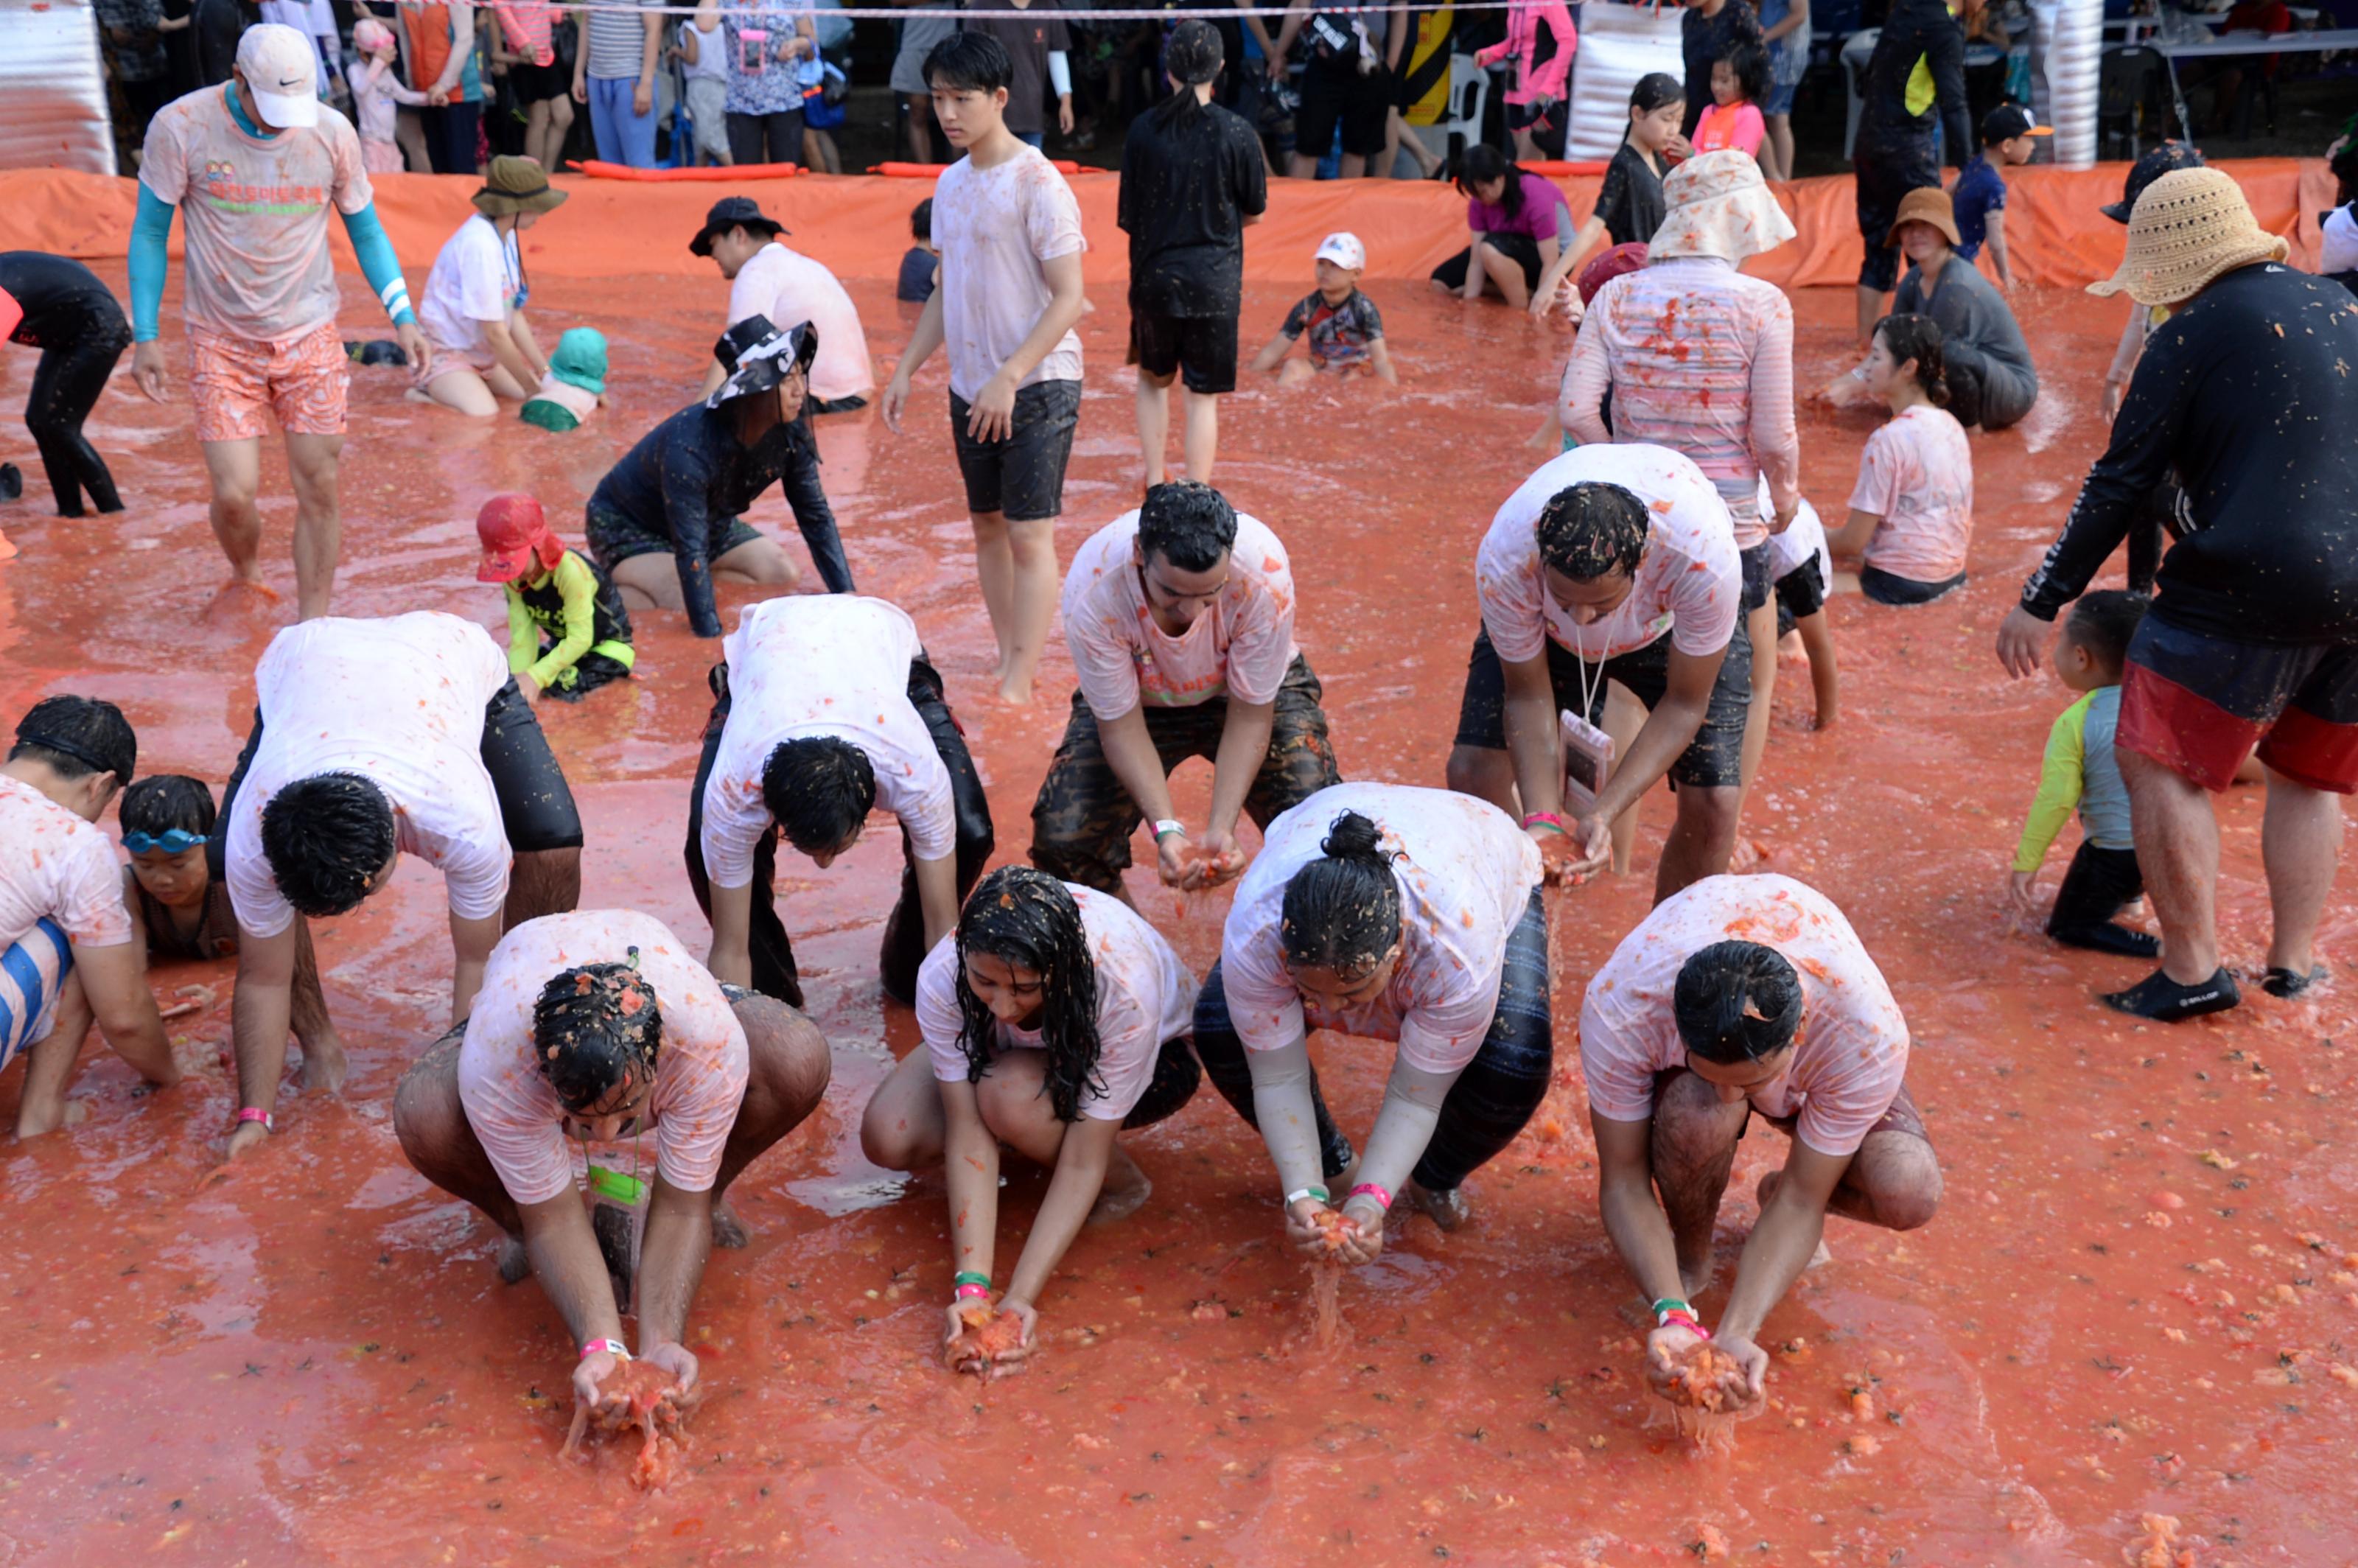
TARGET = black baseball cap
(731,212)
(2167,159)
(2008,120)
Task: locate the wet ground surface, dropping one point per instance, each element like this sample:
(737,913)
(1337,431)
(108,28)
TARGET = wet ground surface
(2141,1298)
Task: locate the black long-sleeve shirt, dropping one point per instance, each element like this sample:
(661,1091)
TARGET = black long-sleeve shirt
(1702,39)
(1916,30)
(689,478)
(63,301)
(2250,391)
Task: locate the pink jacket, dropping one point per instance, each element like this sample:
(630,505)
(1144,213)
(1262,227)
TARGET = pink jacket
(1544,79)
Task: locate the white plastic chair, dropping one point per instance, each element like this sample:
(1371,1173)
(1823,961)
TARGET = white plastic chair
(1462,122)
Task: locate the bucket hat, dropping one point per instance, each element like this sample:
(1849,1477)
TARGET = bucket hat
(2190,226)
(1716,204)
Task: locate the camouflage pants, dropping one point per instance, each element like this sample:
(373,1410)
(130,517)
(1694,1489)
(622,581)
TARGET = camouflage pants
(1082,823)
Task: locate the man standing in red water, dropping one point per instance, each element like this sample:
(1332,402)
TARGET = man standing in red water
(255,163)
(1745,996)
(2246,395)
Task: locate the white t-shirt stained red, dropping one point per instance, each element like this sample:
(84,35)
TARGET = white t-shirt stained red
(822,665)
(1690,582)
(1917,474)
(700,1064)
(399,701)
(1241,644)
(1145,996)
(477,278)
(1465,875)
(791,289)
(994,228)
(55,866)
(1852,1054)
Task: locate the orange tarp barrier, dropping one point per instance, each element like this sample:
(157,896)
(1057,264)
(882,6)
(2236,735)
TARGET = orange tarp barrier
(860,224)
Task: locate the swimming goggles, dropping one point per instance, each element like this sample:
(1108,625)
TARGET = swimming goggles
(172,841)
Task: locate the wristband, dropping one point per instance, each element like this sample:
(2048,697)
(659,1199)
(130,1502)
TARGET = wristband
(1684,1319)
(255,1113)
(1545,819)
(610,1346)
(1166,826)
(969,1292)
(972,1276)
(1671,1304)
(1298,1194)
(1369,1190)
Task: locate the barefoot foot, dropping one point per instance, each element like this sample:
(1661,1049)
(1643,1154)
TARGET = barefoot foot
(728,1230)
(1448,1209)
(324,1066)
(513,1261)
(1126,1188)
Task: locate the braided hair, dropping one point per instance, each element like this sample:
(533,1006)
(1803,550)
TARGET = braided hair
(595,1030)
(1342,911)
(1029,919)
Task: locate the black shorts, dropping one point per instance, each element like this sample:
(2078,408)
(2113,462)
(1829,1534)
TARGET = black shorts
(1755,562)
(1801,593)
(539,83)
(1023,476)
(1884,588)
(1882,177)
(536,809)
(1522,248)
(1713,760)
(1204,347)
(1332,92)
(614,537)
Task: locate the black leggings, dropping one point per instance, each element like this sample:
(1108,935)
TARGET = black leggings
(768,945)
(1487,1105)
(66,386)
(2100,882)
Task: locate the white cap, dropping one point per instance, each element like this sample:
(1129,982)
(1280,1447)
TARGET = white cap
(1344,249)
(280,68)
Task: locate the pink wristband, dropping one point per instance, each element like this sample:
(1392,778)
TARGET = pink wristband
(255,1113)
(610,1347)
(1369,1189)
(965,1291)
(1545,819)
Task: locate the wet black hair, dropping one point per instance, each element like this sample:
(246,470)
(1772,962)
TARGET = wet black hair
(1917,338)
(326,837)
(161,802)
(1191,56)
(969,62)
(1737,1001)
(1655,89)
(2344,169)
(1342,912)
(1029,918)
(2104,622)
(820,789)
(921,220)
(594,1029)
(1483,164)
(1749,62)
(1188,524)
(76,737)
(1592,529)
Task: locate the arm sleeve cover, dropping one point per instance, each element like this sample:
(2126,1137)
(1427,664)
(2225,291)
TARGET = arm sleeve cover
(378,264)
(1404,1125)
(1060,74)
(1289,1122)
(149,263)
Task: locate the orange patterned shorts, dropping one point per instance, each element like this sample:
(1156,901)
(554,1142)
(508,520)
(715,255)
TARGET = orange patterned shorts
(301,380)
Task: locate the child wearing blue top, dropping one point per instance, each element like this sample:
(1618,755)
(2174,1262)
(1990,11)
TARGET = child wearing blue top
(2007,132)
(2079,771)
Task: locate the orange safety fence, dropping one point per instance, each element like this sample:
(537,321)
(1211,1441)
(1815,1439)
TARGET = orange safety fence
(859,224)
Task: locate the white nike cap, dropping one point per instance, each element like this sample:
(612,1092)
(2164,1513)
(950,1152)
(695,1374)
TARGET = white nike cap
(280,68)
(1344,249)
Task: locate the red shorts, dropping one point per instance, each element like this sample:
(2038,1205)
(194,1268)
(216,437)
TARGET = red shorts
(301,380)
(2197,704)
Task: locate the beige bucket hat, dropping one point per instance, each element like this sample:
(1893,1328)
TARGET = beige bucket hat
(2188,227)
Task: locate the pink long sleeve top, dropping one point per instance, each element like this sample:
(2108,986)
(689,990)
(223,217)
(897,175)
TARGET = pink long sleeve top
(1535,79)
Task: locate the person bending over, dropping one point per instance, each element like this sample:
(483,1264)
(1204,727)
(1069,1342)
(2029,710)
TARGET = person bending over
(68,953)
(679,491)
(1397,914)
(1612,563)
(825,707)
(1053,1021)
(1744,996)
(1516,226)
(568,632)
(373,738)
(72,318)
(591,1028)
(1180,618)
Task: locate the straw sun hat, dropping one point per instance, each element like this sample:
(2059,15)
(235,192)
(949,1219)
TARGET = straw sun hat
(2188,227)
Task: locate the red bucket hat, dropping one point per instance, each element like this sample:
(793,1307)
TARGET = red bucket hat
(514,536)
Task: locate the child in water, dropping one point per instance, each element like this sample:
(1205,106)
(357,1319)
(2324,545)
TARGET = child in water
(2080,772)
(568,632)
(575,386)
(179,898)
(921,263)
(1347,331)
(1911,515)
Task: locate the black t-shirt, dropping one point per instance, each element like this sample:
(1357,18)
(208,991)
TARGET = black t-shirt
(2247,393)
(915,282)
(63,300)
(217,26)
(1188,182)
(1631,200)
(1031,35)
(1702,39)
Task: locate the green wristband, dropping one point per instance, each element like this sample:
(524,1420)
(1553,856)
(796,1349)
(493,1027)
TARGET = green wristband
(971,1277)
(1671,1304)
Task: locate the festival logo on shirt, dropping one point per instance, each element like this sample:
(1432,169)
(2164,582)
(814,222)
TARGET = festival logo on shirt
(225,192)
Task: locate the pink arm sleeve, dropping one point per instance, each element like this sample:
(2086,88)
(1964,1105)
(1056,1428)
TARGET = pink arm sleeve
(1548,81)
(1775,445)
(1591,377)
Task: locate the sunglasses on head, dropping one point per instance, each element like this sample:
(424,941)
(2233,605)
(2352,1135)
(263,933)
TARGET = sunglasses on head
(172,841)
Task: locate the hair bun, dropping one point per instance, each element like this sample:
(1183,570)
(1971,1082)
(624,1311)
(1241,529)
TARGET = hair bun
(1353,836)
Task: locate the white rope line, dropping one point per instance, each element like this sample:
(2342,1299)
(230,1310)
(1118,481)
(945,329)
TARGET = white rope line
(1273,18)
